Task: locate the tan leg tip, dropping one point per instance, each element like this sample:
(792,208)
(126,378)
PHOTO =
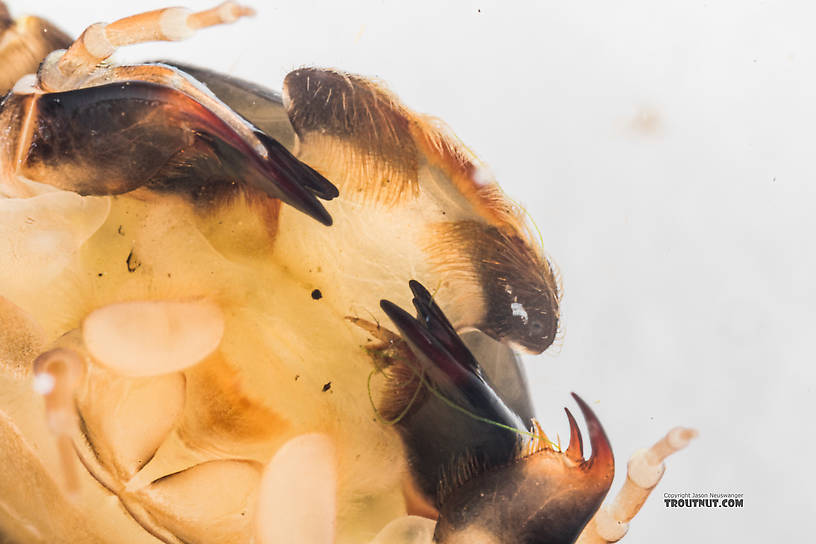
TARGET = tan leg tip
(609,528)
(231,12)
(679,437)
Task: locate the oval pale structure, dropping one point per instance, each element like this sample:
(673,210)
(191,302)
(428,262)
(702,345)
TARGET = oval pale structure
(297,497)
(149,338)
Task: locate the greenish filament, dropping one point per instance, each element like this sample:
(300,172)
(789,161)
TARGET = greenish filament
(404,411)
(446,401)
(470,414)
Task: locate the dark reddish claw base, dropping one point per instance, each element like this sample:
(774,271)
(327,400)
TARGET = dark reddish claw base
(476,474)
(115,138)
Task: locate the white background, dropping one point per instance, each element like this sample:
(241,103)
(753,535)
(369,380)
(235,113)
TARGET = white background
(666,152)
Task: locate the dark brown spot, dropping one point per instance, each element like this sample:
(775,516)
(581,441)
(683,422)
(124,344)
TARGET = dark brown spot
(366,125)
(326,386)
(316,294)
(133,262)
(521,290)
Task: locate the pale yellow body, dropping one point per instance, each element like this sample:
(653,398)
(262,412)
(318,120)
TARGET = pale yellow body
(237,312)
(262,386)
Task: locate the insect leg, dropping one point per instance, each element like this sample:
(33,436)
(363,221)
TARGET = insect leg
(66,69)
(646,467)
(57,374)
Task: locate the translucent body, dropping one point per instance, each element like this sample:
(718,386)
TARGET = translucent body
(204,325)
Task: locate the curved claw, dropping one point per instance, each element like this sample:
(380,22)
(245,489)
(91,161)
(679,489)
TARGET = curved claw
(494,492)
(481,430)
(115,138)
(548,496)
(575,450)
(305,174)
(260,106)
(445,358)
(426,345)
(439,326)
(602,458)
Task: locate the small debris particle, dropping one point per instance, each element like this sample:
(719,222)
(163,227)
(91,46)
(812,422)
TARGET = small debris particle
(132,262)
(297,377)
(316,294)
(99,274)
(120,231)
(326,386)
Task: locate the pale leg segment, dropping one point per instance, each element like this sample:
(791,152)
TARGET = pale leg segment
(64,70)
(57,374)
(644,471)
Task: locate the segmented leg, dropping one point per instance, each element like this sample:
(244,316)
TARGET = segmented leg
(134,339)
(65,69)
(645,468)
(57,374)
